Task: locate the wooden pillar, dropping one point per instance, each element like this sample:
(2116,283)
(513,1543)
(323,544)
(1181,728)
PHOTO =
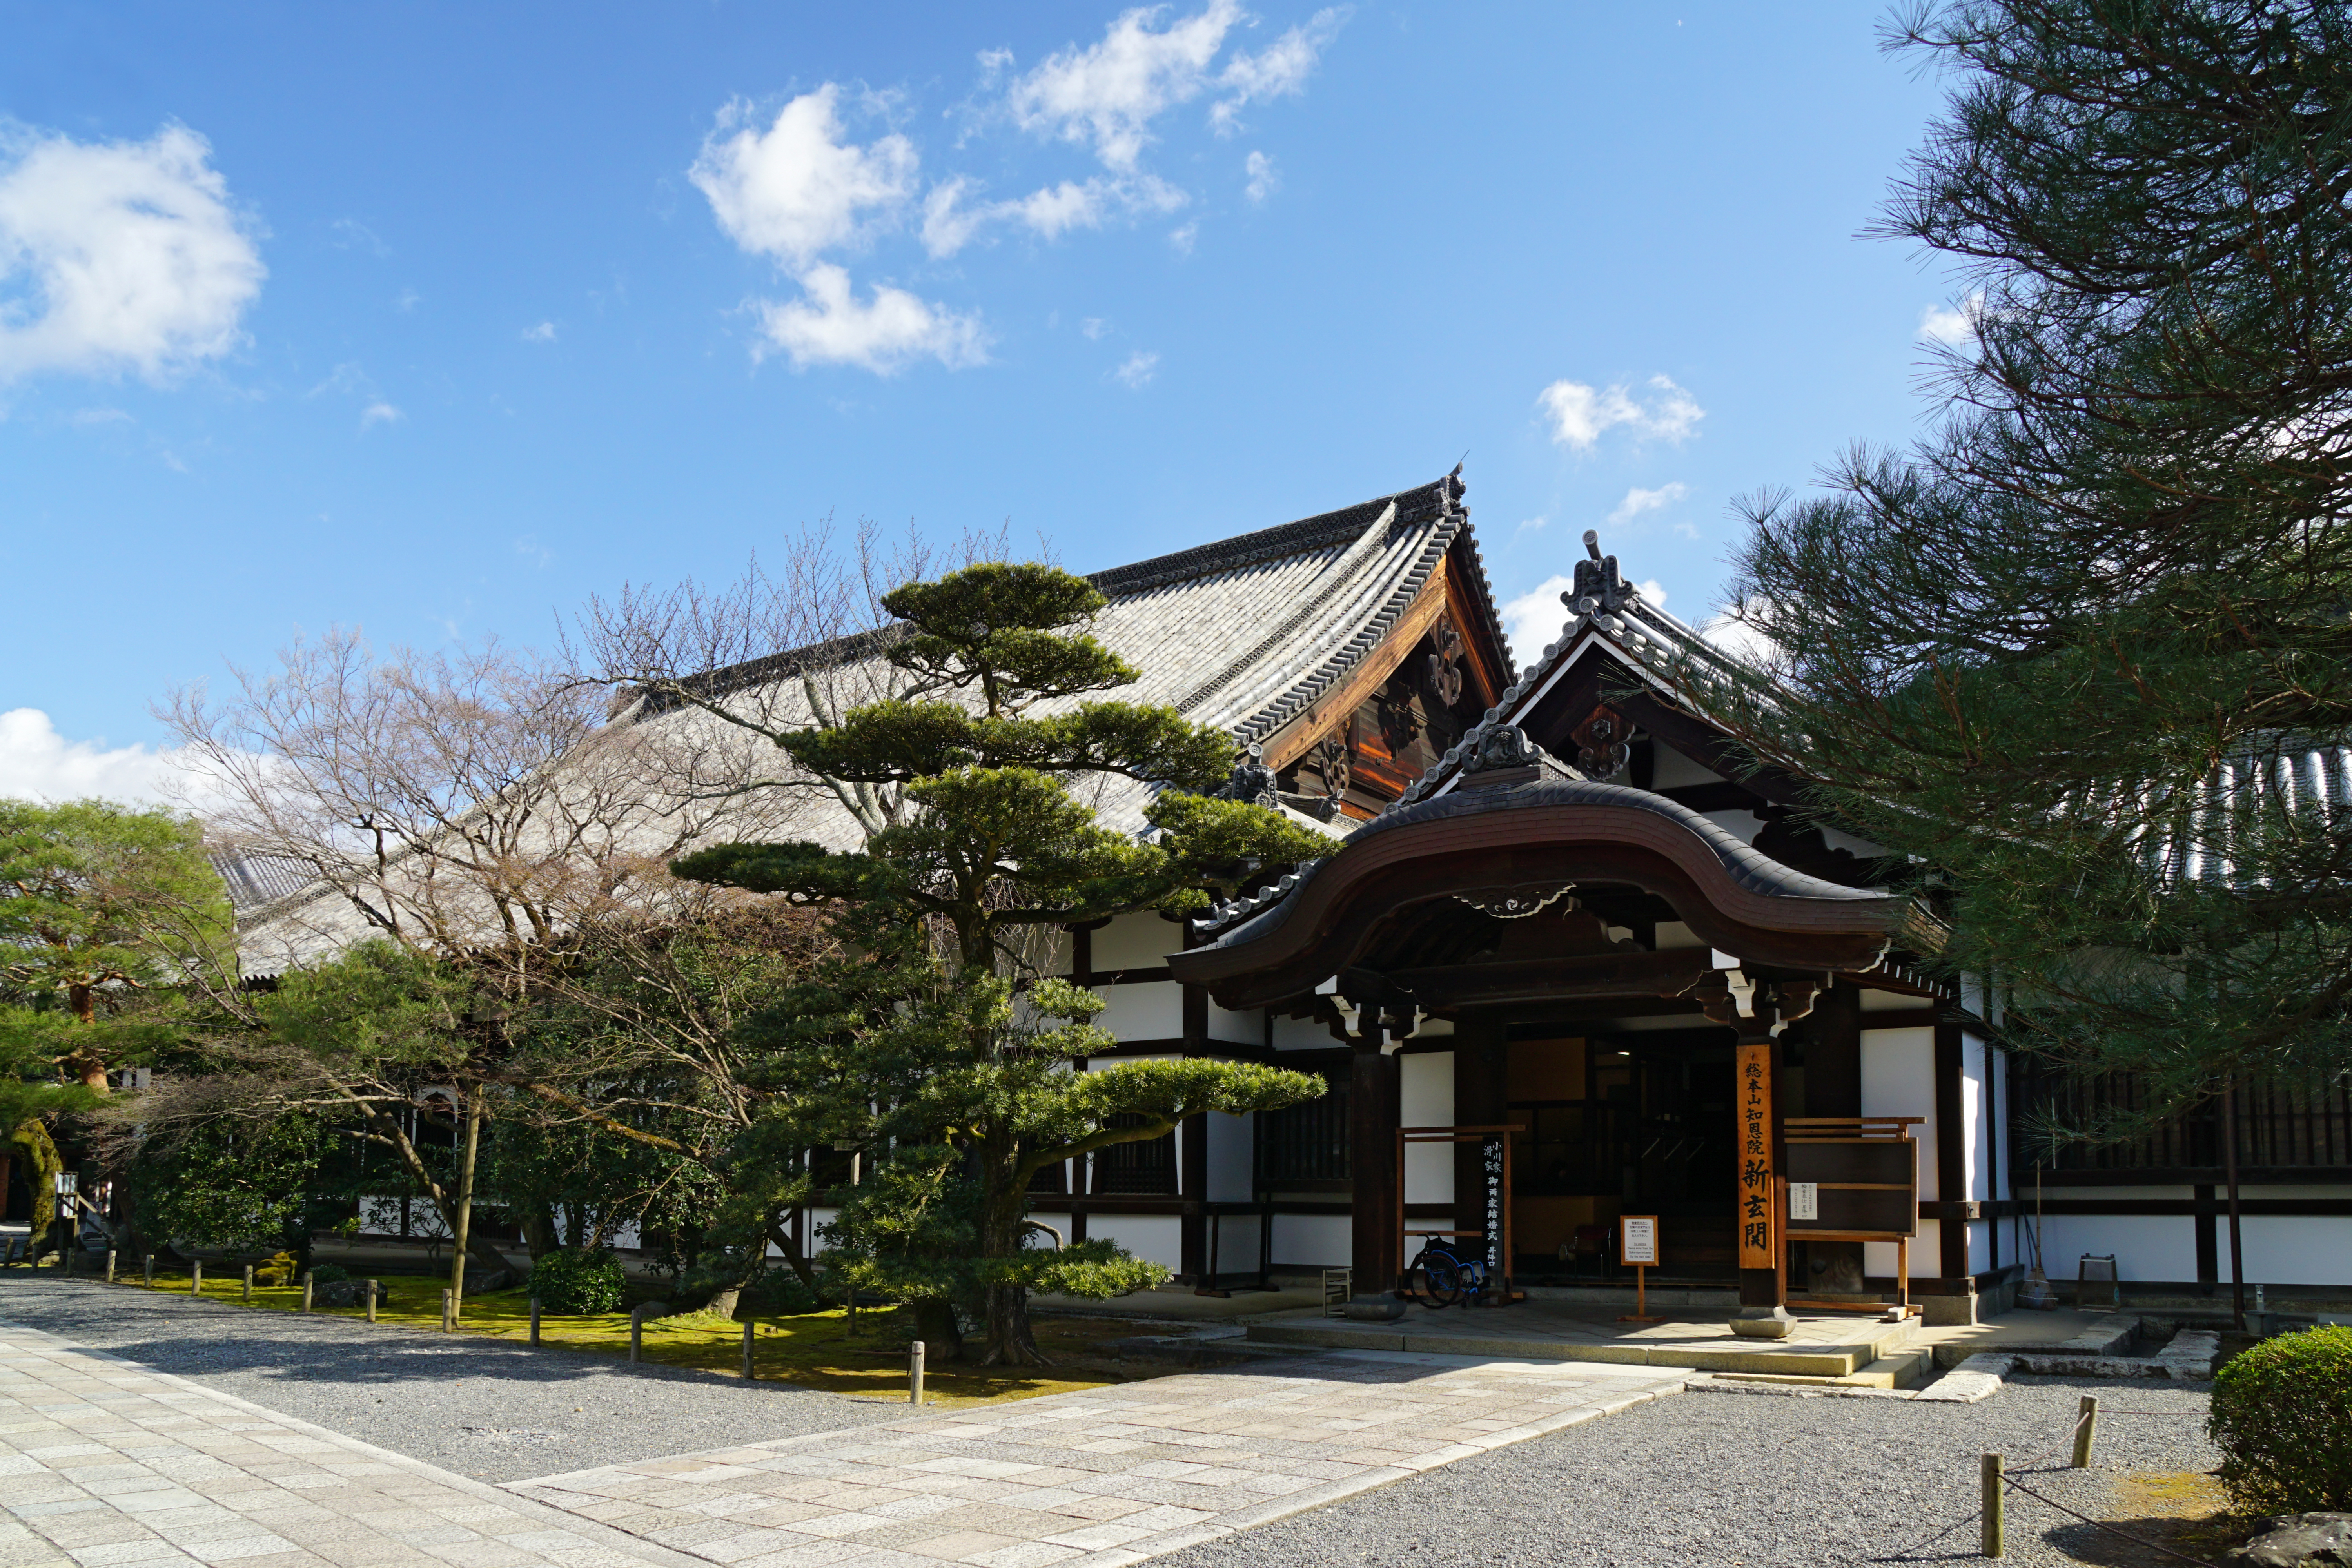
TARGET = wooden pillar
(1192,1139)
(1951,1157)
(1481,1098)
(1374,1101)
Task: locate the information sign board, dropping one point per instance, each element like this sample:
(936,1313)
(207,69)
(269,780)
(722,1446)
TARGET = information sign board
(1637,1239)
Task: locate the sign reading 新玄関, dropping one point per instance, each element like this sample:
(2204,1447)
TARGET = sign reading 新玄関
(1753,1064)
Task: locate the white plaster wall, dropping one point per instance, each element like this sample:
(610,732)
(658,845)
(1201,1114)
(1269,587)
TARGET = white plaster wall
(1157,1237)
(1878,1257)
(1317,1240)
(1137,942)
(2146,1246)
(1425,1098)
(1874,1000)
(1899,1079)
(2289,1249)
(1673,936)
(1154,1011)
(1059,963)
(1301,1035)
(1976,1117)
(1229,1159)
(1236,1244)
(1237,1028)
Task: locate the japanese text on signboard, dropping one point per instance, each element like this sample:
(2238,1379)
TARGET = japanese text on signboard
(1754,1092)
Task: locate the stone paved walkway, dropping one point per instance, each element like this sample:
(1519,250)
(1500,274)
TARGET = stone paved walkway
(107,1464)
(1100,1478)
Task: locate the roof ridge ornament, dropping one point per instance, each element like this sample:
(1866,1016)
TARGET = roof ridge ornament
(1599,585)
(1501,746)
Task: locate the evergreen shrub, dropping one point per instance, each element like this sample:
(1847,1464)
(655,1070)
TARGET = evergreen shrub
(2283,1419)
(576,1281)
(329,1274)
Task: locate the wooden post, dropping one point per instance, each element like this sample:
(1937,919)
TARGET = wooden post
(1640,1292)
(534,1319)
(636,1334)
(307,1288)
(1902,1273)
(852,1294)
(2086,1428)
(448,1311)
(915,1373)
(196,1276)
(247,1296)
(150,1263)
(748,1327)
(1989,1491)
(374,1290)
(109,1266)
(1755,1165)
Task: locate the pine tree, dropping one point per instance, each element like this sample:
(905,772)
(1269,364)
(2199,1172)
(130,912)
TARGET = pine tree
(944,1047)
(2074,654)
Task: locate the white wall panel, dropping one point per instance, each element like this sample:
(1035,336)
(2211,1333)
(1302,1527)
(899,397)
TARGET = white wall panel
(1154,1011)
(1137,942)
(1158,1236)
(1229,1154)
(1899,1079)
(1425,1098)
(1313,1241)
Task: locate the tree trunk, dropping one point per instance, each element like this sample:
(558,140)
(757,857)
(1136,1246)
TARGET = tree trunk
(1004,1228)
(935,1325)
(465,1216)
(539,1231)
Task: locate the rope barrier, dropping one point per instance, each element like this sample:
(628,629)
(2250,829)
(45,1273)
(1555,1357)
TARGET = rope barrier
(2112,1528)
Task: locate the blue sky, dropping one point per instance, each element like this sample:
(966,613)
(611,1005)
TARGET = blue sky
(437,319)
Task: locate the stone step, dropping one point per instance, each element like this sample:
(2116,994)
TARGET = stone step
(1905,1369)
(1863,1349)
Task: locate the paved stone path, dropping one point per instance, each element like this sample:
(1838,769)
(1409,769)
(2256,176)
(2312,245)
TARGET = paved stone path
(107,1464)
(1095,1479)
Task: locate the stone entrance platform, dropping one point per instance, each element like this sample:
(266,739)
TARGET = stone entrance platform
(1845,1348)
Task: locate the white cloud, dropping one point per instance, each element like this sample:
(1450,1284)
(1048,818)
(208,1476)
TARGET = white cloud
(379,413)
(1182,240)
(119,254)
(1638,500)
(1530,525)
(1952,323)
(1740,640)
(1580,412)
(86,418)
(542,334)
(828,325)
(1535,617)
(1106,96)
(1049,212)
(1279,71)
(796,190)
(1138,369)
(1263,180)
(1094,327)
(38,764)
(351,234)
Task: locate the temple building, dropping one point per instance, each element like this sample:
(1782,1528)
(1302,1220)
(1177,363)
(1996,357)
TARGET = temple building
(1567,962)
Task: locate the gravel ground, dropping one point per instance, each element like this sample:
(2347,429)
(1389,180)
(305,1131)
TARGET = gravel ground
(1718,1480)
(489,1408)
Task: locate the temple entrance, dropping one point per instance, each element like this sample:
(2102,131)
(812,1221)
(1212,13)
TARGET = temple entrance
(1633,1122)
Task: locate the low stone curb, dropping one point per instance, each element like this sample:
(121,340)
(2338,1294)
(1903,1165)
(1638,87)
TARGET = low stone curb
(1974,1380)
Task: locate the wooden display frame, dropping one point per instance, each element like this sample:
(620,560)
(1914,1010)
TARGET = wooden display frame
(1874,1132)
(1499,1281)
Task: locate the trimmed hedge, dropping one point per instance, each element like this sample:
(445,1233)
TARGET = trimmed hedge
(2283,1419)
(574,1283)
(330,1274)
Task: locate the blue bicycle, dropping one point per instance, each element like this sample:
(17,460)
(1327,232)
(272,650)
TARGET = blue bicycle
(1445,1274)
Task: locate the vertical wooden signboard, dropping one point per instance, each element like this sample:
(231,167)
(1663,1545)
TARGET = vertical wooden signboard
(1754,1067)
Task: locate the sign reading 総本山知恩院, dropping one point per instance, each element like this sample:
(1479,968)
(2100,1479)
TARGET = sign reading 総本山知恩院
(1637,1239)
(1753,1064)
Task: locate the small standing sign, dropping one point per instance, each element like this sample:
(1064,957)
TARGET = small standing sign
(1804,1200)
(1637,1243)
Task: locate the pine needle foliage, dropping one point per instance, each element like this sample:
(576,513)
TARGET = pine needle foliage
(2075,657)
(941,1045)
